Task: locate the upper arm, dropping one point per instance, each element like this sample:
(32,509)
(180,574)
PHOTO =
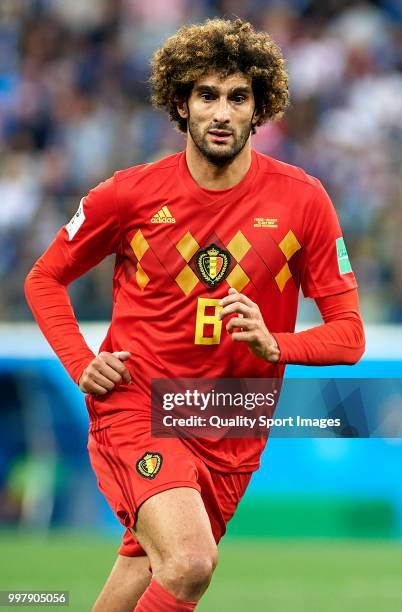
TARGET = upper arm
(325,266)
(339,306)
(92,234)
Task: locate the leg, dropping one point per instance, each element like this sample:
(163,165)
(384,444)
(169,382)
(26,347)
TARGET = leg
(127,581)
(172,525)
(174,529)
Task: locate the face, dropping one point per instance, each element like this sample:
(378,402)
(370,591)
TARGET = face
(219,113)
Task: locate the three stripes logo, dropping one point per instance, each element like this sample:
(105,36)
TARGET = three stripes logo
(163,216)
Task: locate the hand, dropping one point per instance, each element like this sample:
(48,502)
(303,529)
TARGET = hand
(105,372)
(252,327)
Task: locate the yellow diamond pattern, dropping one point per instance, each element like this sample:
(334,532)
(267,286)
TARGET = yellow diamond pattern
(237,279)
(186,279)
(289,245)
(187,246)
(139,245)
(238,246)
(142,277)
(283,276)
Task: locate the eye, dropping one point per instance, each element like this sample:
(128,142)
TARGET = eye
(239,99)
(206,96)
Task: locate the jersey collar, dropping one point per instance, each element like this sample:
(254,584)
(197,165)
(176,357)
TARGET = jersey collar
(217,197)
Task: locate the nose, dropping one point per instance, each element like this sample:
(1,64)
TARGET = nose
(221,114)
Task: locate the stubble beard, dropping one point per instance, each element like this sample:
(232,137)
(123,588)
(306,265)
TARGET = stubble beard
(218,155)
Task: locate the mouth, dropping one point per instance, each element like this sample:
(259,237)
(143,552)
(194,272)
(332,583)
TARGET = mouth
(220,135)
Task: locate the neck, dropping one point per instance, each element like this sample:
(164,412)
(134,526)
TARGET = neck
(210,176)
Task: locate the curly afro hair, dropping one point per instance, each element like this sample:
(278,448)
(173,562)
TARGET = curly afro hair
(226,47)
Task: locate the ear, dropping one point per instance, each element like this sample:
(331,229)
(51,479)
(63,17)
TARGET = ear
(182,108)
(255,118)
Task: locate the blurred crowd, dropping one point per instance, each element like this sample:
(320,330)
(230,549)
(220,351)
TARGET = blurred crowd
(74,107)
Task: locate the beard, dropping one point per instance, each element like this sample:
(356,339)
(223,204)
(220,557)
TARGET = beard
(218,154)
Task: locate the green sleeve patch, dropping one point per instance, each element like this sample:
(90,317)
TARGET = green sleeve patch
(343,258)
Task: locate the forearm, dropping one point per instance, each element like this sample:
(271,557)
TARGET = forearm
(51,307)
(339,340)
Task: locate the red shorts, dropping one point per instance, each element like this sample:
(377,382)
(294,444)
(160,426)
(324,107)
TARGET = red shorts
(130,467)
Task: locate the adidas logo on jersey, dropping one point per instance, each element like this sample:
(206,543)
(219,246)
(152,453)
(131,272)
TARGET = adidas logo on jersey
(163,216)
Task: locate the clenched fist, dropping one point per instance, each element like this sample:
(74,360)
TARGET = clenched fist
(105,372)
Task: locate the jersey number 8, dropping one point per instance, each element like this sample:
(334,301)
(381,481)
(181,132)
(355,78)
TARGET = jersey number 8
(208,328)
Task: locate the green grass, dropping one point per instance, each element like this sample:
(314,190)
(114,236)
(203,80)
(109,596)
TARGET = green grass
(253,575)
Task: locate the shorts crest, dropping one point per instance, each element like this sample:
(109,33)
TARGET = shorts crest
(149,464)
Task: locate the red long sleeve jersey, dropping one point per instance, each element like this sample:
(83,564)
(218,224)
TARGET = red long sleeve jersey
(178,249)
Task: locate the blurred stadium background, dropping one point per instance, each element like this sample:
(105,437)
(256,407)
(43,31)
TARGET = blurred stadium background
(320,528)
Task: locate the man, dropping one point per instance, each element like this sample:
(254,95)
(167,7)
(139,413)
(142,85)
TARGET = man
(177,314)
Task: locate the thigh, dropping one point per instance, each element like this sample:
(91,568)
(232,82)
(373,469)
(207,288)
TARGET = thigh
(173,522)
(221,493)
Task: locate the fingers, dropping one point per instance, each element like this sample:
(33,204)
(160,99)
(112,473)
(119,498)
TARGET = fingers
(91,382)
(237,303)
(244,336)
(122,355)
(102,381)
(238,308)
(236,297)
(105,372)
(111,374)
(115,362)
(244,324)
(91,387)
